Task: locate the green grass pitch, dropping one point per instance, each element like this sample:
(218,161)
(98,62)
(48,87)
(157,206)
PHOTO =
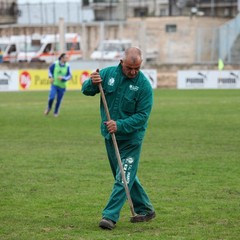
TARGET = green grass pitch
(55,178)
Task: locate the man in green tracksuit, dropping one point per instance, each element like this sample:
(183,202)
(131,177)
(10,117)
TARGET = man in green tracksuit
(129,98)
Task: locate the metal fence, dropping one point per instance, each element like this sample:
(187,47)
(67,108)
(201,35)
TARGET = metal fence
(229,42)
(221,42)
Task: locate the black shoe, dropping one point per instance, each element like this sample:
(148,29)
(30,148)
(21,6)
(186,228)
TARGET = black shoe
(107,224)
(143,218)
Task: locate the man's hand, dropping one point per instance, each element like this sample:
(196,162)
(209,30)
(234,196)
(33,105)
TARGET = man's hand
(111,126)
(51,80)
(96,79)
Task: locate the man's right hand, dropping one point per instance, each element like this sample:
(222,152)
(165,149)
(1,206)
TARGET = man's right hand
(95,76)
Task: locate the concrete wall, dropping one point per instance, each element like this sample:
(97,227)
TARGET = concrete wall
(148,33)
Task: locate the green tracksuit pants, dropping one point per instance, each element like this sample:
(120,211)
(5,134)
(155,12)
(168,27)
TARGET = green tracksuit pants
(130,155)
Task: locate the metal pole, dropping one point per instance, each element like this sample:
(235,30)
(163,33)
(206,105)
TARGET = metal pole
(212,8)
(143,39)
(29,18)
(46,13)
(110,10)
(68,11)
(61,35)
(41,6)
(54,13)
(102,37)
(84,46)
(169,7)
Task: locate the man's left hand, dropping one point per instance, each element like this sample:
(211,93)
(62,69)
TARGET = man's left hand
(111,126)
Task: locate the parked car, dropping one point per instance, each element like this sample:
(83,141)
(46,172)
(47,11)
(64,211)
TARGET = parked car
(114,49)
(111,49)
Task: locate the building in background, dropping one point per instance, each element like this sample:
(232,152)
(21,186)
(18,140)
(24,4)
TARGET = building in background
(74,11)
(9,11)
(122,9)
(173,31)
(46,13)
(218,8)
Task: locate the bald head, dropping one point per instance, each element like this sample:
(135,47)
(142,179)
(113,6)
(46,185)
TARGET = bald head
(133,55)
(131,62)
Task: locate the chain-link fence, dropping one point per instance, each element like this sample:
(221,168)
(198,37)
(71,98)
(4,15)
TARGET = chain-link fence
(229,42)
(221,42)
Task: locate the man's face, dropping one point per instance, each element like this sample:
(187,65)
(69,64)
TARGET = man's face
(129,68)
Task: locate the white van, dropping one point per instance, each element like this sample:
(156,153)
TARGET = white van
(50,45)
(3,46)
(111,49)
(15,46)
(4,43)
(10,48)
(27,48)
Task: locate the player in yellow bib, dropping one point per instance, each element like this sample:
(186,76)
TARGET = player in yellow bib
(59,73)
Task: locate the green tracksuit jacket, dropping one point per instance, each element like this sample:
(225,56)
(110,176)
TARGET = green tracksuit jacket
(130,103)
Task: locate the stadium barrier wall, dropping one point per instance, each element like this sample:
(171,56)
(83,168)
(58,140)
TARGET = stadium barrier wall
(33,79)
(208,79)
